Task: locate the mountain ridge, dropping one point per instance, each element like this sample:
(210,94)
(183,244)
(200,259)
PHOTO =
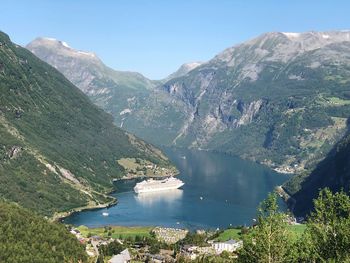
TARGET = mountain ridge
(247,67)
(280,99)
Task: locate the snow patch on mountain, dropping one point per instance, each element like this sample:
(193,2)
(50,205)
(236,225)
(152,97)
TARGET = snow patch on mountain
(50,38)
(90,54)
(291,35)
(65,44)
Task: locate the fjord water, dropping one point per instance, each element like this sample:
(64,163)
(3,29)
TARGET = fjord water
(219,191)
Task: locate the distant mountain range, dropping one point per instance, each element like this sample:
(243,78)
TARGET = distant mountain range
(281,99)
(58,151)
(117,92)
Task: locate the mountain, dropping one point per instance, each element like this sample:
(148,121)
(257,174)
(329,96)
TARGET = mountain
(281,99)
(183,70)
(58,151)
(112,90)
(26,237)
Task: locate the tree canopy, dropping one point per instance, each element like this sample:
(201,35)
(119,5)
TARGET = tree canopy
(26,237)
(326,238)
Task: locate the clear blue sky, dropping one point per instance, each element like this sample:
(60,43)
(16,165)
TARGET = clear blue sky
(154,37)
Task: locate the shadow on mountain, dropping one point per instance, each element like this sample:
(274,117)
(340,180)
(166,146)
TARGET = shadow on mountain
(333,172)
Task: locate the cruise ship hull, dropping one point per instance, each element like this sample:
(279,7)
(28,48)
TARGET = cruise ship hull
(149,190)
(151,185)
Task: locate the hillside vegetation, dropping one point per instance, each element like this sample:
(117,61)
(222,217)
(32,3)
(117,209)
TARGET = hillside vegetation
(333,172)
(26,237)
(324,239)
(57,150)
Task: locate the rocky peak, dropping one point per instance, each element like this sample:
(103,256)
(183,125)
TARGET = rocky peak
(187,67)
(280,46)
(83,68)
(183,70)
(60,47)
(80,67)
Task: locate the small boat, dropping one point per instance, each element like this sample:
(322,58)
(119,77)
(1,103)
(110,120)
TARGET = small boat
(178,223)
(201,197)
(183,157)
(105,214)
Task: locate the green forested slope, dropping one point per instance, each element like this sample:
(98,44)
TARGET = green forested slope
(58,150)
(27,238)
(333,172)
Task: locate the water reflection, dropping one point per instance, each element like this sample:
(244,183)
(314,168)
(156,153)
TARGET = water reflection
(231,189)
(156,198)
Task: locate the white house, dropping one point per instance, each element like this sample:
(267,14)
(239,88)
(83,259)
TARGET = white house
(230,246)
(123,257)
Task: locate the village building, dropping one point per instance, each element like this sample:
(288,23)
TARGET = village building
(230,246)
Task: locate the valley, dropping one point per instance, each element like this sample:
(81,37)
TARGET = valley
(266,100)
(267,115)
(288,106)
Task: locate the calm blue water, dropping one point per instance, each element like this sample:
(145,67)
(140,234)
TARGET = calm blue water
(231,190)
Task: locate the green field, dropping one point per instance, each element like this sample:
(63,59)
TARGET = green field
(232,233)
(333,101)
(141,167)
(235,233)
(297,230)
(117,231)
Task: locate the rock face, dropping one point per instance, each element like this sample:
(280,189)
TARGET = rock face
(270,99)
(83,68)
(14,152)
(249,112)
(281,99)
(110,89)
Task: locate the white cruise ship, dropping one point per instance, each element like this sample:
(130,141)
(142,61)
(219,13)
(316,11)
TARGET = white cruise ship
(158,185)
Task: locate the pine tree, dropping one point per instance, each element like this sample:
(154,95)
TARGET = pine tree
(269,241)
(328,228)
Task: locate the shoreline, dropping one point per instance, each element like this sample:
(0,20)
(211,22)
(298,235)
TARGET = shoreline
(59,217)
(133,177)
(288,200)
